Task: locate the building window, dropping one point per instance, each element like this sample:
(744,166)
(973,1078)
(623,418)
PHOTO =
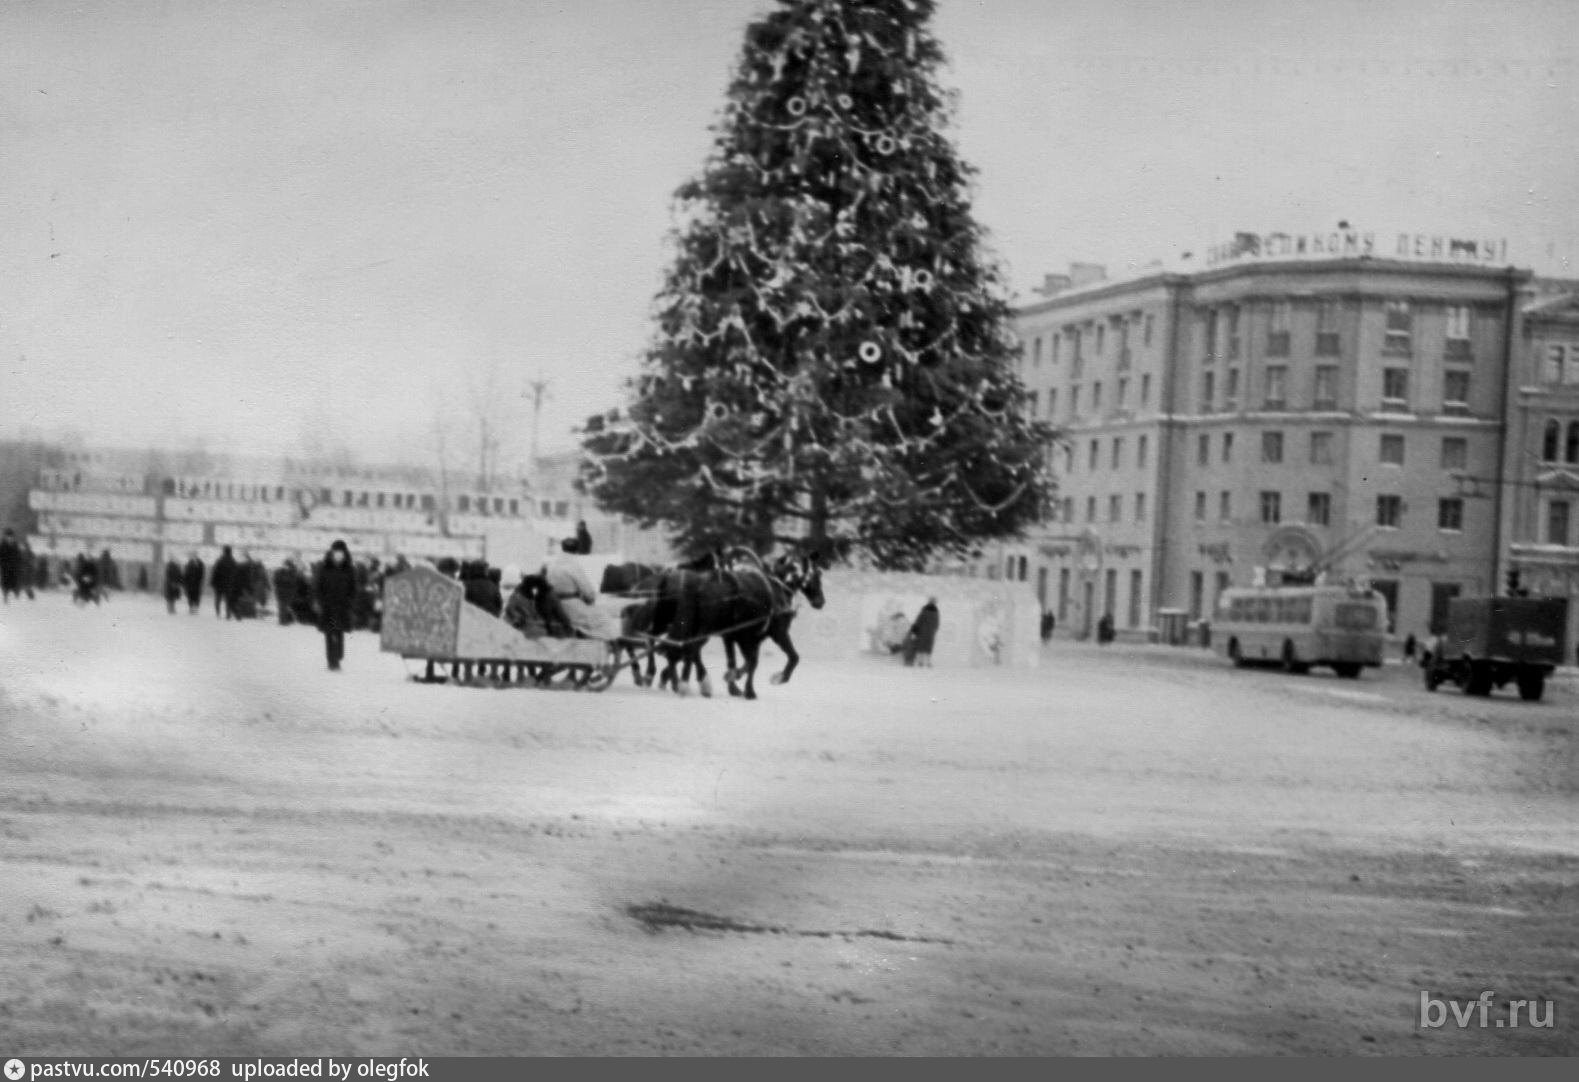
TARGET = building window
(1121,328)
(1036,353)
(1272,447)
(1146,336)
(1052,402)
(1145,389)
(1271,508)
(1549,441)
(1033,401)
(1200,507)
(1098,349)
(1554,363)
(1231,389)
(1141,447)
(1068,513)
(1135,598)
(1197,592)
(1400,324)
(1225,506)
(1327,340)
(1091,455)
(463,503)
(1076,360)
(1203,449)
(1208,388)
(1450,514)
(1557,522)
(515,507)
(1140,507)
(1123,393)
(1115,508)
(1118,452)
(1233,331)
(1395,388)
(1057,339)
(1278,329)
(1096,395)
(1318,509)
(1389,512)
(1571,445)
(1455,453)
(1324,392)
(1457,344)
(1091,508)
(1074,401)
(1210,353)
(1392,450)
(1455,390)
(1228,446)
(1276,386)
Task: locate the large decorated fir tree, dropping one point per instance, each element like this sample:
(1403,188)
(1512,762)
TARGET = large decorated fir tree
(833,356)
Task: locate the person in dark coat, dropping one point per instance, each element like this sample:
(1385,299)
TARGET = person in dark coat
(220,579)
(172,584)
(109,572)
(336,590)
(88,587)
(10,566)
(192,582)
(583,539)
(924,632)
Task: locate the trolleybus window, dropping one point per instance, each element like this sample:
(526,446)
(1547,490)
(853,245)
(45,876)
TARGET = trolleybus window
(1355,617)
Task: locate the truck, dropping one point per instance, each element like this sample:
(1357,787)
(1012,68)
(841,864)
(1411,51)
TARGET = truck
(1492,641)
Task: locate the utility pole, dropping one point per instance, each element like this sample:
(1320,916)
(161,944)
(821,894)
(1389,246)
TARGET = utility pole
(537,391)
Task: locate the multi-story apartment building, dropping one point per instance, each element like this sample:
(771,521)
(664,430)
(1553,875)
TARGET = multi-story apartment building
(1540,476)
(1290,405)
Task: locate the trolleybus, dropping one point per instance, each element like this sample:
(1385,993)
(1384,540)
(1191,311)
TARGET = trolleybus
(1342,627)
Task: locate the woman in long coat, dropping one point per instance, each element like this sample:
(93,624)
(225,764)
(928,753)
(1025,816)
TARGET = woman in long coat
(192,580)
(336,590)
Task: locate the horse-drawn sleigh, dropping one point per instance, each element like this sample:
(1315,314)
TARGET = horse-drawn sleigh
(667,611)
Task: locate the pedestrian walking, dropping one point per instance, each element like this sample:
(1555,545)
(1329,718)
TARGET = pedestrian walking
(336,590)
(924,632)
(192,582)
(172,584)
(222,581)
(10,566)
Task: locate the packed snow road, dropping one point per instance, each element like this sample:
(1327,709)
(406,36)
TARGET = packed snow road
(214,846)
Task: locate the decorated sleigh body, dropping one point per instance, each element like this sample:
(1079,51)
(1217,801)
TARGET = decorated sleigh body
(427,618)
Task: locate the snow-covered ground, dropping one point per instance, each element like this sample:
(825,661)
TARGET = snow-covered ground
(212,845)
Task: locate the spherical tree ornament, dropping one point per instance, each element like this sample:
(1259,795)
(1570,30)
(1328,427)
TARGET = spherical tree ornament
(845,101)
(922,279)
(718,411)
(796,106)
(885,145)
(871,352)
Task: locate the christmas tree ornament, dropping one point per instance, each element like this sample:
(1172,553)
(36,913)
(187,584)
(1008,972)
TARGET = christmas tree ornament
(796,106)
(871,352)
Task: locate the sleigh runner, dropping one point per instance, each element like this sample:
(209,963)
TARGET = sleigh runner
(427,618)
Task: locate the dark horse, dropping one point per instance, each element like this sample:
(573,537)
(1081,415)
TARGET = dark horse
(742,601)
(638,584)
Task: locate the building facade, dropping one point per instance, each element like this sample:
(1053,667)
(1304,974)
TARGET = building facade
(1270,413)
(146,511)
(1540,480)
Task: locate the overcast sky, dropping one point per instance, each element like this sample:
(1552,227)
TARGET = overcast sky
(254,223)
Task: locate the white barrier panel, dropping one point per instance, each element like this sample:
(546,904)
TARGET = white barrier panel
(382,520)
(190,533)
(92,526)
(71,547)
(277,514)
(91,503)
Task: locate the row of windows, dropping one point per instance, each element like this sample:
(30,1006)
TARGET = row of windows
(1120,401)
(1453,453)
(1324,389)
(1115,508)
(1221,336)
(1552,441)
(1318,510)
(1096,332)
